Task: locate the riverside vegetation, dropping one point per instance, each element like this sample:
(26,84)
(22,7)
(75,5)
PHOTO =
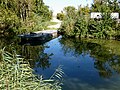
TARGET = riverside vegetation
(16,17)
(77,22)
(15,73)
(23,16)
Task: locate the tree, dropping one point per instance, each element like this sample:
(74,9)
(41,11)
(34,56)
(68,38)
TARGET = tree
(17,16)
(70,12)
(60,16)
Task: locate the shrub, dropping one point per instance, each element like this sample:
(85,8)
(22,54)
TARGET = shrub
(9,22)
(81,27)
(67,27)
(60,16)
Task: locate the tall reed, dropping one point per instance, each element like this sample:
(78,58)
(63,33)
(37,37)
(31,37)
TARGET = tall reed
(16,74)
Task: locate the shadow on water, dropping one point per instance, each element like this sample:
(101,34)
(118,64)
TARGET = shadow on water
(106,53)
(99,64)
(34,41)
(33,51)
(106,59)
(89,64)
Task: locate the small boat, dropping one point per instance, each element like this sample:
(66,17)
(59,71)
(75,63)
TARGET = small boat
(38,37)
(35,36)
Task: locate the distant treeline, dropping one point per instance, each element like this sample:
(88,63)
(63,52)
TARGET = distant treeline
(77,22)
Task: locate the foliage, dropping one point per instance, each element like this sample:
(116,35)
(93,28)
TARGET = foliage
(9,21)
(74,24)
(70,12)
(19,16)
(83,26)
(104,28)
(67,27)
(60,16)
(83,10)
(15,73)
(42,10)
(112,5)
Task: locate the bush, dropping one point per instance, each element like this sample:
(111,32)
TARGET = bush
(22,16)
(67,27)
(9,22)
(81,27)
(77,23)
(60,16)
(103,28)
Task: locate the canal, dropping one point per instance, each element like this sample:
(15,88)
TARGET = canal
(88,64)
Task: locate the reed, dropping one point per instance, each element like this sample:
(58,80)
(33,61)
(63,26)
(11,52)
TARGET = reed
(16,74)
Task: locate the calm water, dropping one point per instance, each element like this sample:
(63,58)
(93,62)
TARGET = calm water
(87,64)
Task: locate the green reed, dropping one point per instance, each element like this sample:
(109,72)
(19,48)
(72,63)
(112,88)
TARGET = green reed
(16,74)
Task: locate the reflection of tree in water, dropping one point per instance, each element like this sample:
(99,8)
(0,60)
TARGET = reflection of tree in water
(43,61)
(73,46)
(106,62)
(36,56)
(31,53)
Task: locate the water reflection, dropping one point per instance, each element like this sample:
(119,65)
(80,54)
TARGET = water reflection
(33,53)
(43,60)
(36,56)
(106,61)
(106,54)
(88,64)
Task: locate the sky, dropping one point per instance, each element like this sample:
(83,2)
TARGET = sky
(57,5)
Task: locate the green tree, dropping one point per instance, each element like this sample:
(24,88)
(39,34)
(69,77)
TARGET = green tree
(67,27)
(21,16)
(81,27)
(70,11)
(105,27)
(79,24)
(83,10)
(61,16)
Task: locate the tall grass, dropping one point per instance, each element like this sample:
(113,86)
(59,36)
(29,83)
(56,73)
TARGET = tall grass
(16,74)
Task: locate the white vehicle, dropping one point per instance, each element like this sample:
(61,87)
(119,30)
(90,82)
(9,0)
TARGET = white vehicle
(98,15)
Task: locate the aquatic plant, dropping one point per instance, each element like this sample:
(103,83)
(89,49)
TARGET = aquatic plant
(16,74)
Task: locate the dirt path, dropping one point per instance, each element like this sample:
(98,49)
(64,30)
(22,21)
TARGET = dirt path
(52,28)
(55,26)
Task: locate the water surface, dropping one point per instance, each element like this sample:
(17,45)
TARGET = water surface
(87,64)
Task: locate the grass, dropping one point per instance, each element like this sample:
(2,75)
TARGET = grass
(53,23)
(51,28)
(50,24)
(16,74)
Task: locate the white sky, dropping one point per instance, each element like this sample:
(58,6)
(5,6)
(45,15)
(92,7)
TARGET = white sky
(58,5)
